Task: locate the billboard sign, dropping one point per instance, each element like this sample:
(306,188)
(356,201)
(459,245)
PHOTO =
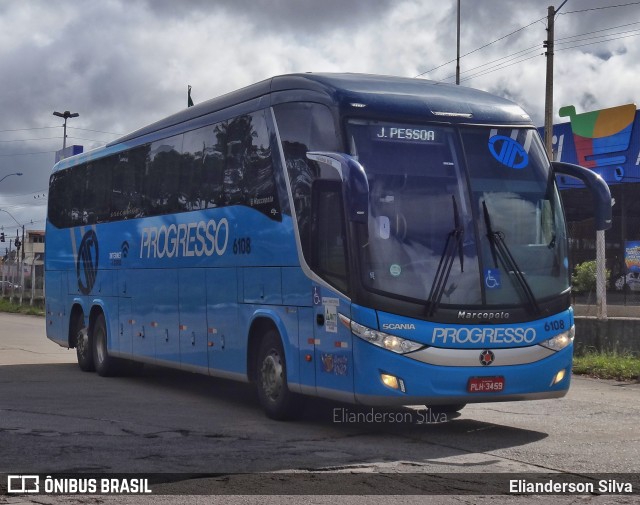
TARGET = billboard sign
(68,152)
(607,141)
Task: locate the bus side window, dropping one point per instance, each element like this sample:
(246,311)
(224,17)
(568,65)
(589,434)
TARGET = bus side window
(98,190)
(127,184)
(303,127)
(329,254)
(259,178)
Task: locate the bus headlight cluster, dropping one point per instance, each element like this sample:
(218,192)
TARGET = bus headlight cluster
(381,339)
(561,340)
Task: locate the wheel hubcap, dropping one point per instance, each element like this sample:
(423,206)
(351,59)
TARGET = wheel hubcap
(272,377)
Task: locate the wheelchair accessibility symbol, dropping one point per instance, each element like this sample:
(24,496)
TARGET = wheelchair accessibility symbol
(492,278)
(317,296)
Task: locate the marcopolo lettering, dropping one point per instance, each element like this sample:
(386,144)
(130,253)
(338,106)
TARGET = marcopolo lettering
(202,238)
(483,336)
(464,314)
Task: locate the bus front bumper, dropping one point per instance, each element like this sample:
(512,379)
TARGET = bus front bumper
(418,383)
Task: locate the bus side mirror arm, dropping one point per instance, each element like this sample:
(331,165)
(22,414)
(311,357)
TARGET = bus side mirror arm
(596,185)
(354,182)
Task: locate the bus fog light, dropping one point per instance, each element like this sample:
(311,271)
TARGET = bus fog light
(561,340)
(559,377)
(393,382)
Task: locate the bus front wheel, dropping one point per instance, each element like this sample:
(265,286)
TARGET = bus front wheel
(271,378)
(105,364)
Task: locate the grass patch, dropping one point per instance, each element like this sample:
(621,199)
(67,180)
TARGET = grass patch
(608,365)
(16,308)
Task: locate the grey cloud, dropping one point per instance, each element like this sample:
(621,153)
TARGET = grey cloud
(281,15)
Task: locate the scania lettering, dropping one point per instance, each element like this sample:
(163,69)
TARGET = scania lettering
(367,239)
(398,326)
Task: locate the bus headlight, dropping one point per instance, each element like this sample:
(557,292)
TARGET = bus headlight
(389,342)
(561,340)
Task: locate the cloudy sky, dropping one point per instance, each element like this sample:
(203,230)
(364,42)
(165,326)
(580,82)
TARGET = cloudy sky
(122,64)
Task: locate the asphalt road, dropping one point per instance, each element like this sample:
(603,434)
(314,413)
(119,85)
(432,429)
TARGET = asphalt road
(56,419)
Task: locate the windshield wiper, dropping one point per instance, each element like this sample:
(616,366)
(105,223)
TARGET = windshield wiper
(453,243)
(500,250)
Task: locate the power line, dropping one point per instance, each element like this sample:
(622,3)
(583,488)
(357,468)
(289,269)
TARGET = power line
(597,42)
(49,138)
(600,8)
(29,129)
(28,140)
(53,127)
(484,46)
(531,24)
(508,60)
(27,154)
(598,31)
(600,37)
(97,131)
(499,67)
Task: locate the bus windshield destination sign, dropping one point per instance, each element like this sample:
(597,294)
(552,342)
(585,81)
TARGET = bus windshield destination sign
(405,133)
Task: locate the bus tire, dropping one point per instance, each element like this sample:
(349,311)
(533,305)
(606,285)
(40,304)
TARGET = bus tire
(84,346)
(105,364)
(274,395)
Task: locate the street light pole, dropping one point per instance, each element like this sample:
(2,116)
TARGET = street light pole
(65,115)
(16,173)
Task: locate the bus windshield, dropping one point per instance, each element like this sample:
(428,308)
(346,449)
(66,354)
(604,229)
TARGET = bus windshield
(472,212)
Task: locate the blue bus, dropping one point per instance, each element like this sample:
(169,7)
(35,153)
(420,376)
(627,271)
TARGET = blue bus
(368,239)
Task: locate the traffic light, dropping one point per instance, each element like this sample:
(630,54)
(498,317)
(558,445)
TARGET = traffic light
(2,237)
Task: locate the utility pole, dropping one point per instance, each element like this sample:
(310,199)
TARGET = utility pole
(548,99)
(458,51)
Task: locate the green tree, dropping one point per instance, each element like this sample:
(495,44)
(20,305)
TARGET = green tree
(583,279)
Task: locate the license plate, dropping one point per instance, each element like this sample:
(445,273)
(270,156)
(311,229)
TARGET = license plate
(485,385)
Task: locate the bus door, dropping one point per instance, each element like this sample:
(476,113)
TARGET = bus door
(333,345)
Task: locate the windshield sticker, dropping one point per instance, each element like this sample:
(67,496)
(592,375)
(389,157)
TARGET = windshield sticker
(509,152)
(492,278)
(395,270)
(384,227)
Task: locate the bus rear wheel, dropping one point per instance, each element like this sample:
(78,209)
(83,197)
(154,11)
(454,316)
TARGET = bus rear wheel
(105,364)
(271,379)
(84,347)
